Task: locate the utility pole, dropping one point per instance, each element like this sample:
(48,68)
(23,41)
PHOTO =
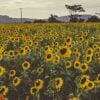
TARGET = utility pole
(21,14)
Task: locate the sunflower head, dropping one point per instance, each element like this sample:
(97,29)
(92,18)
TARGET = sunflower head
(12,73)
(58,83)
(2,70)
(39,84)
(84,67)
(4,90)
(33,90)
(68,64)
(26,65)
(16,81)
(65,52)
(77,64)
(40,70)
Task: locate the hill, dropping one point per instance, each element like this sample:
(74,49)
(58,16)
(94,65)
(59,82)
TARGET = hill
(7,19)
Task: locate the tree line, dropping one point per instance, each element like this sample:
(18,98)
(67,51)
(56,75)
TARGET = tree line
(74,11)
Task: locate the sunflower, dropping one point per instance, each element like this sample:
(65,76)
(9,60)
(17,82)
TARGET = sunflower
(65,52)
(30,42)
(88,59)
(70,46)
(84,80)
(40,70)
(2,70)
(4,90)
(97,54)
(33,90)
(68,64)
(26,65)
(84,67)
(22,51)
(39,84)
(85,88)
(16,81)
(78,54)
(73,43)
(75,50)
(27,49)
(77,64)
(56,50)
(56,59)
(90,52)
(47,49)
(12,73)
(49,57)
(16,53)
(95,46)
(58,83)
(81,39)
(68,40)
(90,85)
(11,53)
(2,49)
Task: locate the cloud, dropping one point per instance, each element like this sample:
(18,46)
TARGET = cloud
(43,8)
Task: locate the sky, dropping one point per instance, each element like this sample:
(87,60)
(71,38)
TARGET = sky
(43,8)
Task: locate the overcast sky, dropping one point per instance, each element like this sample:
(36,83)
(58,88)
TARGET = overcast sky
(43,8)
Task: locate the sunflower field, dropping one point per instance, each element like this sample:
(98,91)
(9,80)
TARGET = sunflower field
(50,61)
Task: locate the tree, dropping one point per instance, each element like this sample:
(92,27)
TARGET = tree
(74,19)
(98,14)
(52,18)
(73,9)
(39,21)
(81,20)
(93,19)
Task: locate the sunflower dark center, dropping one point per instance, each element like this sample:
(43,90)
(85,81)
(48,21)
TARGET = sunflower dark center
(34,90)
(15,81)
(68,40)
(49,56)
(57,82)
(90,84)
(11,53)
(99,78)
(77,64)
(89,52)
(0,69)
(63,51)
(25,64)
(83,66)
(2,90)
(37,83)
(88,58)
(83,80)
(67,63)
(12,72)
(21,51)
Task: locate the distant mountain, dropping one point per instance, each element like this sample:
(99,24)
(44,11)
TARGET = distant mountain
(67,18)
(7,19)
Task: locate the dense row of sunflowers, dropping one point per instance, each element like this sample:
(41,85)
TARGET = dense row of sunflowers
(50,61)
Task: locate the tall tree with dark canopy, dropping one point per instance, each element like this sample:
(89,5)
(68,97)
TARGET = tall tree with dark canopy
(73,9)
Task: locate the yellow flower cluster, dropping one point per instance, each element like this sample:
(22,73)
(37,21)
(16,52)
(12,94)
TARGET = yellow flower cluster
(51,61)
